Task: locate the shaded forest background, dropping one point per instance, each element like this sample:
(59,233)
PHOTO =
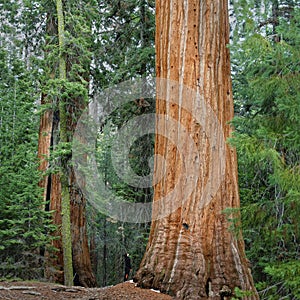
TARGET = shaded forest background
(116,40)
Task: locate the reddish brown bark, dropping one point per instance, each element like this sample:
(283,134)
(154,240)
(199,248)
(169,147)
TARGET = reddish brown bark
(55,260)
(51,192)
(46,124)
(45,133)
(192,254)
(80,249)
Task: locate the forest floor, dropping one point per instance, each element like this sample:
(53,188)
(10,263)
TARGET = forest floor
(48,291)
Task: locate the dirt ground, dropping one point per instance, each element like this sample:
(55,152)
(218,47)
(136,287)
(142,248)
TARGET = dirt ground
(48,291)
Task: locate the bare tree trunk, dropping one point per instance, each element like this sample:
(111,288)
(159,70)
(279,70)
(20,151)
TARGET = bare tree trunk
(191,253)
(93,250)
(63,133)
(105,254)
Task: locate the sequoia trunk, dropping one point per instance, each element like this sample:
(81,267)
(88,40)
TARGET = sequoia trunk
(192,253)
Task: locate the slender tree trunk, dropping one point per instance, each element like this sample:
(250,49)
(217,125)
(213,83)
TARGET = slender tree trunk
(81,253)
(275,18)
(191,253)
(93,250)
(143,70)
(105,255)
(65,195)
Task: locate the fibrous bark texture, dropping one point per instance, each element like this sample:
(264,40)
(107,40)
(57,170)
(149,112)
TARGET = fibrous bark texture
(192,253)
(81,255)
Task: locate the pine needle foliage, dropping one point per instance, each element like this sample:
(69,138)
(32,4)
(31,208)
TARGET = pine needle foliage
(266,80)
(124,48)
(24,225)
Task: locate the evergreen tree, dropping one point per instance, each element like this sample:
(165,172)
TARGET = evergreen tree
(24,226)
(266,83)
(125,41)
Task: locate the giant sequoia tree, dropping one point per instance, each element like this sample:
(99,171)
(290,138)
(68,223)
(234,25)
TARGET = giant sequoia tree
(192,253)
(65,97)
